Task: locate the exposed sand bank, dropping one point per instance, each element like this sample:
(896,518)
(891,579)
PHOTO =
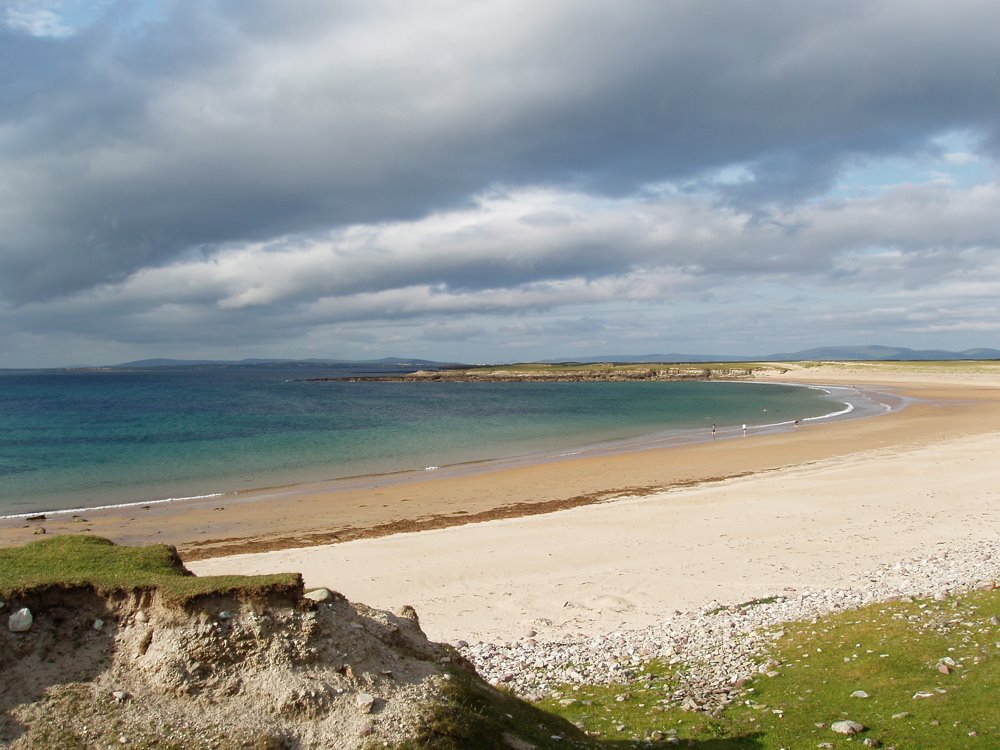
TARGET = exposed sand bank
(817,507)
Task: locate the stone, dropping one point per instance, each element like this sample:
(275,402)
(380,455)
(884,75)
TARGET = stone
(944,669)
(20,621)
(871,742)
(141,617)
(98,623)
(847,727)
(409,613)
(120,696)
(902,715)
(365,702)
(859,694)
(320,595)
(922,694)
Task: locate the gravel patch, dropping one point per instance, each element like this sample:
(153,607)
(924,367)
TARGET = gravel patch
(719,647)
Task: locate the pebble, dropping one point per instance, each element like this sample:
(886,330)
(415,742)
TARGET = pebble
(859,694)
(721,647)
(365,702)
(20,621)
(98,623)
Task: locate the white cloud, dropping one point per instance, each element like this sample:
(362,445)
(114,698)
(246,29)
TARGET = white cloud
(40,22)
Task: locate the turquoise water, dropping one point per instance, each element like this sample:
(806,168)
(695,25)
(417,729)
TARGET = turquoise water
(86,439)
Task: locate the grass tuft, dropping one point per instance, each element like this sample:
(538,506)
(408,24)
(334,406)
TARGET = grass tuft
(65,562)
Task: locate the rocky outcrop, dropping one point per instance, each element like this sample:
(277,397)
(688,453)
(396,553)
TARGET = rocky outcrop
(595,373)
(272,671)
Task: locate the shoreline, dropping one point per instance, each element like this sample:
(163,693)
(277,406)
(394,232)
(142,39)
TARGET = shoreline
(664,439)
(345,509)
(941,406)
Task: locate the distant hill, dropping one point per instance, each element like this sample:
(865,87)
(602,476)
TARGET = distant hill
(384,362)
(842,353)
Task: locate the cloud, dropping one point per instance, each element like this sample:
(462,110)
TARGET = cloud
(486,259)
(204,164)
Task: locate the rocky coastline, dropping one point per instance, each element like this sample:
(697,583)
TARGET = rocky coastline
(562,374)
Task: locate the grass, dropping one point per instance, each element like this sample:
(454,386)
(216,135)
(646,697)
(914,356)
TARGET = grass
(74,561)
(889,651)
(473,715)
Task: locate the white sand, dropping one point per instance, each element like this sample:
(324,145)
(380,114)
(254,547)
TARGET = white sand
(624,564)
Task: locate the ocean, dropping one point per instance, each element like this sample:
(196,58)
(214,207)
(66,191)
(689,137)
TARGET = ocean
(84,439)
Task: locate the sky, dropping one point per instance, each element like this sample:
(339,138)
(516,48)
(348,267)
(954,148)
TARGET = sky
(495,180)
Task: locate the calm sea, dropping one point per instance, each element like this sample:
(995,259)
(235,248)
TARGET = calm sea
(72,439)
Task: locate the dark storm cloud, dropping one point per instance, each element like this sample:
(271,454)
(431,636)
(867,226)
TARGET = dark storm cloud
(133,145)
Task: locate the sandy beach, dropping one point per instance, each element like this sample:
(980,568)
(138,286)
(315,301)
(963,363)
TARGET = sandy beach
(678,528)
(594,543)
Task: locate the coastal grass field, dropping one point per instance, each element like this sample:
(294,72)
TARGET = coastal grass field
(930,671)
(74,561)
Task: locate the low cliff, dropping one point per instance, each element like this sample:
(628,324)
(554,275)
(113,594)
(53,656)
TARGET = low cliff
(262,668)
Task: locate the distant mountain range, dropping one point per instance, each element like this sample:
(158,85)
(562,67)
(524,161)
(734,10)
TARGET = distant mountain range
(834,353)
(384,362)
